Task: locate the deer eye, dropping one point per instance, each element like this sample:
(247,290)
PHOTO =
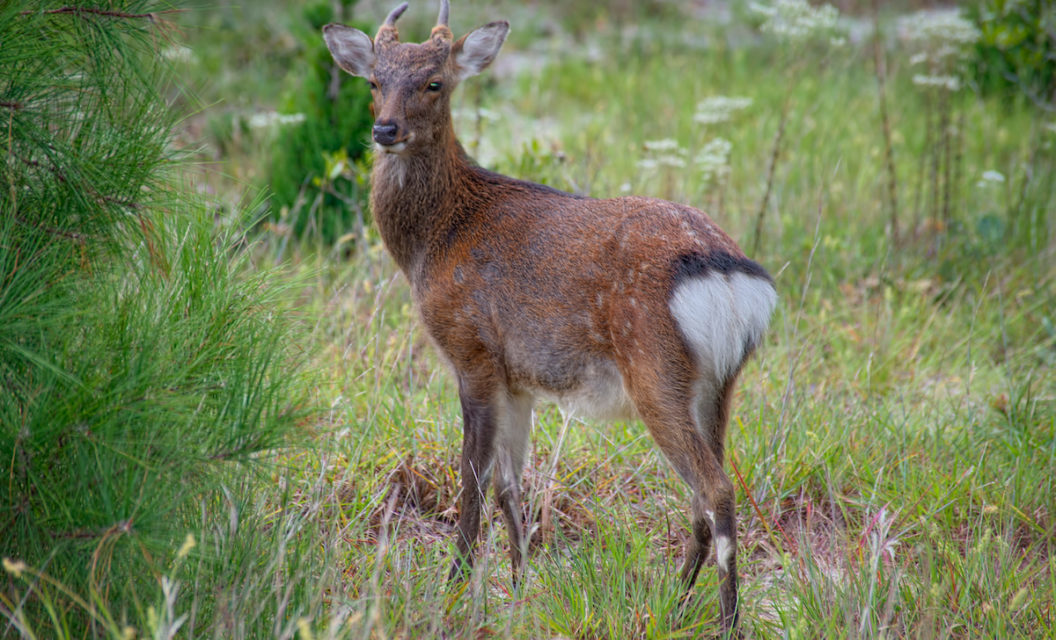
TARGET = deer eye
(373,86)
(434,86)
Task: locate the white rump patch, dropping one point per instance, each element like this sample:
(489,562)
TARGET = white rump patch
(722,316)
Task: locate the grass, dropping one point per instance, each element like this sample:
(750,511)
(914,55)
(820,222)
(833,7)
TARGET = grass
(892,444)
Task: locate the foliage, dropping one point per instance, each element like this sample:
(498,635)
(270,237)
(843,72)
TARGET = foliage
(138,356)
(1016,50)
(337,120)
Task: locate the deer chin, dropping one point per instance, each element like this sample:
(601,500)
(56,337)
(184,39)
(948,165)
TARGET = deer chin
(397,148)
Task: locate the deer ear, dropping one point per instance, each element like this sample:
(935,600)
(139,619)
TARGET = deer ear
(475,50)
(352,49)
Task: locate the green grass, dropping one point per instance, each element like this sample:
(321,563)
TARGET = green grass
(893,443)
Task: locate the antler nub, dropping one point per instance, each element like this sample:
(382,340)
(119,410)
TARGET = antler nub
(396,13)
(441,31)
(387,34)
(445,9)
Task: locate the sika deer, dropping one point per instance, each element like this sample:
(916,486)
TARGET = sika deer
(629,307)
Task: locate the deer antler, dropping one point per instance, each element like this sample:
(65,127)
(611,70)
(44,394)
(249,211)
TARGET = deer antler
(445,9)
(387,33)
(441,31)
(396,13)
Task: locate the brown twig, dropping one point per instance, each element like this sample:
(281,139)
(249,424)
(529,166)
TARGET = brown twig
(751,499)
(79,238)
(935,157)
(14,105)
(101,197)
(958,162)
(774,157)
(947,154)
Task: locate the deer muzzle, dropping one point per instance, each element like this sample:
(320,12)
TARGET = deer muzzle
(385,133)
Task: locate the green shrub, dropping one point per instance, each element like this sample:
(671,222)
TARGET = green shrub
(1016,50)
(304,193)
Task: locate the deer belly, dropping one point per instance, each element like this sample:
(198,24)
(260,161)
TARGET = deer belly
(597,390)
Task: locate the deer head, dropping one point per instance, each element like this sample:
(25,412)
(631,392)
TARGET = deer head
(412,83)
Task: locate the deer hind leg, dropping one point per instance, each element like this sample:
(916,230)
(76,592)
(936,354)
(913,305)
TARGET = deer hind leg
(713,512)
(511,445)
(681,419)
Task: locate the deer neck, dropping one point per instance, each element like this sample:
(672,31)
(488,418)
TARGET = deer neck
(413,198)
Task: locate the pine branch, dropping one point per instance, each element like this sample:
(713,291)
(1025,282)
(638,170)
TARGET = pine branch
(79,238)
(101,197)
(152,16)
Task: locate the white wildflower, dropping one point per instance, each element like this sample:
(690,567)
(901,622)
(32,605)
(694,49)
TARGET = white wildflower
(945,51)
(796,20)
(941,37)
(666,144)
(262,120)
(671,160)
(936,27)
(291,118)
(990,178)
(719,109)
(949,83)
(178,54)
(663,153)
(714,158)
(267,119)
(763,9)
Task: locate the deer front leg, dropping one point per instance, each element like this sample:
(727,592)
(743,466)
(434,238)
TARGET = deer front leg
(478,452)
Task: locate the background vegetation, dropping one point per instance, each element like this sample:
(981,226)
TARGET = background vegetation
(893,443)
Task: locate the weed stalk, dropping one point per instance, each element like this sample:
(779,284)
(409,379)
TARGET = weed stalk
(880,68)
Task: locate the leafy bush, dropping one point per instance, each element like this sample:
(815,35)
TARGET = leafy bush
(337,121)
(1017,47)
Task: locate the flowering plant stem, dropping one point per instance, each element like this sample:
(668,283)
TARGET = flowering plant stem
(880,68)
(775,155)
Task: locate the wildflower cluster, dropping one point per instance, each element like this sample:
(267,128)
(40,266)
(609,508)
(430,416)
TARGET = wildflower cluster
(940,39)
(663,153)
(268,119)
(990,178)
(943,27)
(178,53)
(798,21)
(938,81)
(719,109)
(714,159)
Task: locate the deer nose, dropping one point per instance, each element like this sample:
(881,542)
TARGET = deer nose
(385,133)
